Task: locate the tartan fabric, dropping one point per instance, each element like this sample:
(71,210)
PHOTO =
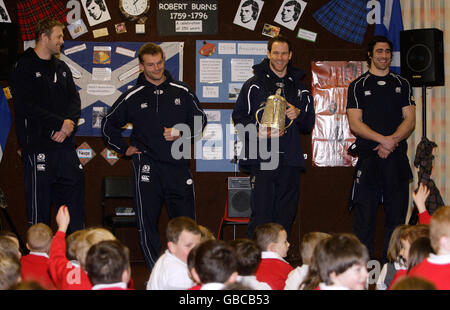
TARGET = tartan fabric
(30,12)
(424,161)
(344,18)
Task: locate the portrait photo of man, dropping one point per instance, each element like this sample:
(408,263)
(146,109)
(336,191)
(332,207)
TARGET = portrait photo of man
(289,13)
(96,11)
(248,13)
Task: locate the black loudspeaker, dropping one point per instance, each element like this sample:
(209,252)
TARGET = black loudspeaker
(239,197)
(422,57)
(8,48)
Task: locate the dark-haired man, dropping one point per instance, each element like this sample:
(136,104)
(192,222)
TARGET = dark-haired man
(275,180)
(381,113)
(159,107)
(47,107)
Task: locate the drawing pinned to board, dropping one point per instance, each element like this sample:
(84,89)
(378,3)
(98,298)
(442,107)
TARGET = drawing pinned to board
(4,16)
(289,13)
(96,11)
(248,13)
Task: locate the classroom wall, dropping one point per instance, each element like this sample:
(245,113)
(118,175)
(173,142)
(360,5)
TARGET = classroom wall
(324,191)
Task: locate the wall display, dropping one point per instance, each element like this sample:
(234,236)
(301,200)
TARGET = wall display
(219,147)
(134,9)
(102,71)
(331,135)
(248,13)
(4,16)
(223,66)
(77,28)
(110,156)
(270,30)
(96,11)
(290,12)
(187,17)
(85,153)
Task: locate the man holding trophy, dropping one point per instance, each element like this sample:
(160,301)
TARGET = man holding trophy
(272,110)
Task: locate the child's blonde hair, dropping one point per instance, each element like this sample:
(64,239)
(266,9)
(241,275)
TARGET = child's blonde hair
(393,252)
(39,237)
(89,238)
(72,241)
(309,242)
(439,226)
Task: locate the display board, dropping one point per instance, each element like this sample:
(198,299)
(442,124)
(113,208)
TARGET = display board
(102,71)
(222,67)
(217,149)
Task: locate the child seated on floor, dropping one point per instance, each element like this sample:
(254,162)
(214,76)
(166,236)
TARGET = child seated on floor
(215,265)
(65,275)
(35,264)
(108,265)
(341,263)
(248,256)
(9,271)
(436,268)
(9,244)
(407,237)
(170,271)
(395,260)
(307,246)
(273,269)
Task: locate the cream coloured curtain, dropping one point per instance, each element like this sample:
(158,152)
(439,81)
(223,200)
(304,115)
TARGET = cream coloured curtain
(418,14)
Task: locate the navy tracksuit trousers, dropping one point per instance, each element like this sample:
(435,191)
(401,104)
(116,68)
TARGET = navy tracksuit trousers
(157,183)
(54,177)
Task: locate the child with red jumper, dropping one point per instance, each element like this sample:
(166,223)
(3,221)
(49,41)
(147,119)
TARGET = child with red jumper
(273,269)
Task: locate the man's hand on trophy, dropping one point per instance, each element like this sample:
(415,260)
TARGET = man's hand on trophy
(292,112)
(265,132)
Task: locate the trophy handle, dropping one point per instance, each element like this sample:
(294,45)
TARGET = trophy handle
(256,114)
(290,123)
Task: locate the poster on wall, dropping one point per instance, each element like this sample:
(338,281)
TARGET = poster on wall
(96,11)
(4,16)
(187,17)
(331,135)
(248,13)
(224,66)
(290,12)
(219,147)
(102,71)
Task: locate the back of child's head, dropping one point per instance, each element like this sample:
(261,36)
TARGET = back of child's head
(106,261)
(215,261)
(248,256)
(439,227)
(71,243)
(393,252)
(9,246)
(179,224)
(413,283)
(10,269)
(206,233)
(338,253)
(39,237)
(28,286)
(414,232)
(266,234)
(89,238)
(308,244)
(419,250)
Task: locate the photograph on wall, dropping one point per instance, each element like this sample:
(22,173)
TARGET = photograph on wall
(290,12)
(4,16)
(96,11)
(248,13)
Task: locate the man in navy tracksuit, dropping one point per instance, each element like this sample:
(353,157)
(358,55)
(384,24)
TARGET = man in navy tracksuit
(156,107)
(275,187)
(381,113)
(47,108)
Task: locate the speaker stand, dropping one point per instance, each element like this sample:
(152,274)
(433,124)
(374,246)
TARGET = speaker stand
(424,111)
